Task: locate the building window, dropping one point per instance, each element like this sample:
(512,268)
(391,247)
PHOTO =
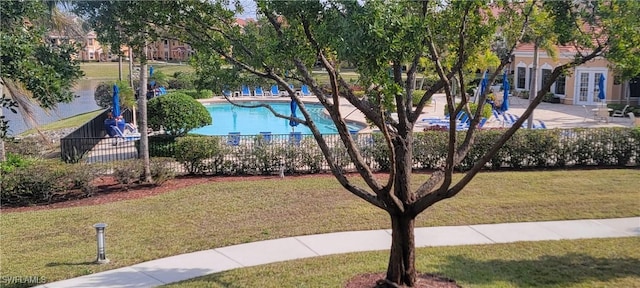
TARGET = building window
(521,78)
(634,87)
(90,55)
(90,41)
(560,85)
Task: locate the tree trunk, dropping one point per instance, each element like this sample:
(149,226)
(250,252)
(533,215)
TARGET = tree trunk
(120,67)
(534,83)
(142,106)
(402,269)
(3,157)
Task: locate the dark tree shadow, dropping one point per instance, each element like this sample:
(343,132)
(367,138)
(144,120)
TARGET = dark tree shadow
(54,264)
(541,272)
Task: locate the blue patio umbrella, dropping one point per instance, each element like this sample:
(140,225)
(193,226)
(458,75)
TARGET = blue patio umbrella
(116,101)
(601,95)
(151,83)
(505,97)
(294,107)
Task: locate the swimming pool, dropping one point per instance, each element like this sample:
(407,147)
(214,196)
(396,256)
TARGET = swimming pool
(251,121)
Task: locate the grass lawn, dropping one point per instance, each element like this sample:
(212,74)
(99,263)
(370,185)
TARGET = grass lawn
(109,70)
(74,121)
(577,263)
(60,243)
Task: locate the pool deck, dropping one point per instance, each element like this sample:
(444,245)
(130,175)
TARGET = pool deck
(553,115)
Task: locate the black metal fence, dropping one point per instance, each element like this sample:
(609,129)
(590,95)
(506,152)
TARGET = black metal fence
(74,146)
(273,154)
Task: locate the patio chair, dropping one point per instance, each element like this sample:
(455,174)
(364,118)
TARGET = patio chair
(603,114)
(588,114)
(245,91)
(130,133)
(226,93)
(496,115)
(233,138)
(258,92)
(305,90)
(620,113)
(275,91)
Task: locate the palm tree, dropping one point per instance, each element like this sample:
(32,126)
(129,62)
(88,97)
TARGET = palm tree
(30,52)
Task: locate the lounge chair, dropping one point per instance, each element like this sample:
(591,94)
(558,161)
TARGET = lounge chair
(233,138)
(275,91)
(620,113)
(635,122)
(305,90)
(496,115)
(295,138)
(226,93)
(130,133)
(245,91)
(258,92)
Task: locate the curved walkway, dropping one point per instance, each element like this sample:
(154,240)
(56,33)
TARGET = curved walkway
(181,267)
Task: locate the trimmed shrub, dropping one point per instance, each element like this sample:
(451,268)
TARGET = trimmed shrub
(486,109)
(198,153)
(177,113)
(44,180)
(128,172)
(161,170)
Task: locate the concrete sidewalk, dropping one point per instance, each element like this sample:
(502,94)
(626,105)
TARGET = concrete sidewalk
(181,267)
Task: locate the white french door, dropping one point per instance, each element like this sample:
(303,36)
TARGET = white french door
(586,88)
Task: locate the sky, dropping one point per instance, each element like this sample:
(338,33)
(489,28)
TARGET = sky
(250,9)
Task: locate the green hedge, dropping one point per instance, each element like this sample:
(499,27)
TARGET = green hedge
(43,181)
(527,149)
(539,148)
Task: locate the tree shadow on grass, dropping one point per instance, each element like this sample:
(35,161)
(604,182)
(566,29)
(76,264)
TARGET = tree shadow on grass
(544,271)
(213,280)
(54,264)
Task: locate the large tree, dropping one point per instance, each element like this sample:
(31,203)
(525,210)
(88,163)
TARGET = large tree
(379,38)
(33,69)
(127,23)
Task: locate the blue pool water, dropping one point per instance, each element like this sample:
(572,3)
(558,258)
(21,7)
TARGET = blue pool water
(251,121)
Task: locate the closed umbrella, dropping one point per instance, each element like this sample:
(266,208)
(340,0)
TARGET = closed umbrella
(294,107)
(116,101)
(151,83)
(483,83)
(483,86)
(601,95)
(505,97)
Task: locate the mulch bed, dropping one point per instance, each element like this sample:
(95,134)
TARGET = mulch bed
(108,190)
